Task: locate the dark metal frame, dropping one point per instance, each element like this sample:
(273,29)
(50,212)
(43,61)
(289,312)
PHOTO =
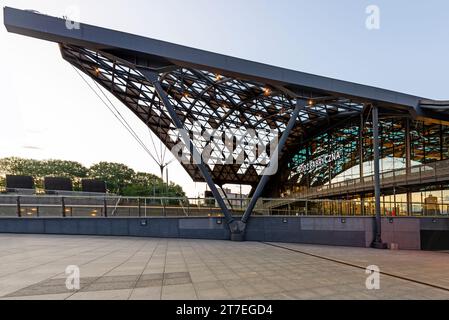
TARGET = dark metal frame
(300,105)
(203,102)
(377,242)
(153,77)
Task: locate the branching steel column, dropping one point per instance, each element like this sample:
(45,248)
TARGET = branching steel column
(153,77)
(225,196)
(300,104)
(377,243)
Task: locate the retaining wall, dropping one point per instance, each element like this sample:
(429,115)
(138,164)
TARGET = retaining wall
(346,231)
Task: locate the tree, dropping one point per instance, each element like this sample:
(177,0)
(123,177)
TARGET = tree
(19,166)
(175,190)
(66,169)
(61,168)
(41,169)
(143,185)
(145,179)
(149,185)
(119,178)
(116,175)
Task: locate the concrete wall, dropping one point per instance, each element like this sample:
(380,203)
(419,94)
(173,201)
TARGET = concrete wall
(144,227)
(349,231)
(402,231)
(434,234)
(311,230)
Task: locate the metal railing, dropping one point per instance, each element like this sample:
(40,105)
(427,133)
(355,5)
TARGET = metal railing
(321,207)
(436,172)
(19,205)
(35,206)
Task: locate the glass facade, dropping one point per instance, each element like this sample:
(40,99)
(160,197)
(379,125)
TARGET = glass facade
(344,141)
(429,142)
(412,149)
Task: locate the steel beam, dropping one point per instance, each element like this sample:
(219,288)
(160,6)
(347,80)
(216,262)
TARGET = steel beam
(361,158)
(300,104)
(361,161)
(377,242)
(226,197)
(408,156)
(153,77)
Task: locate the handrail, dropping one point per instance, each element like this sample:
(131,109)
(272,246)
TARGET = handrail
(416,174)
(30,207)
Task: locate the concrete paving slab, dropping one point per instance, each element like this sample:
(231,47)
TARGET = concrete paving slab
(33,267)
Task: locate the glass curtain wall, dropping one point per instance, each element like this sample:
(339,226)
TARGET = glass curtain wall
(429,142)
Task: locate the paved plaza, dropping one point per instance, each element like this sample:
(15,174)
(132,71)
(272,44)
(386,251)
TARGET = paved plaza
(33,267)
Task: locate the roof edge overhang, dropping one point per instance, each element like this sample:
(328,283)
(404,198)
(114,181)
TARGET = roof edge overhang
(54,29)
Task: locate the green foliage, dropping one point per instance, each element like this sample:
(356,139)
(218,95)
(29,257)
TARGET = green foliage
(175,190)
(61,168)
(116,175)
(46,168)
(146,179)
(119,178)
(19,166)
(149,185)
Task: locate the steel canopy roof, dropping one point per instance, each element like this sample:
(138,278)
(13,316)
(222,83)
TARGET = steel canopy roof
(164,53)
(209,90)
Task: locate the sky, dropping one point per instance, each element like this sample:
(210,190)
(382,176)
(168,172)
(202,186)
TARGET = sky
(48,112)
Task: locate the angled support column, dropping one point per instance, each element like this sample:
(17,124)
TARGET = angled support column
(300,104)
(153,77)
(377,242)
(225,196)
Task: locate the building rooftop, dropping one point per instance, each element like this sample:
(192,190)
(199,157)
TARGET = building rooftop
(211,91)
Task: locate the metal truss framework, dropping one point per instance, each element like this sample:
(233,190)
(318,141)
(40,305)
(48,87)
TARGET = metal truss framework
(198,101)
(207,101)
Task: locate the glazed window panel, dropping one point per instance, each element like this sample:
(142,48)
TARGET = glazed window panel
(319,147)
(298,177)
(393,139)
(445,209)
(417,142)
(432,142)
(393,147)
(346,141)
(368,154)
(429,142)
(445,142)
